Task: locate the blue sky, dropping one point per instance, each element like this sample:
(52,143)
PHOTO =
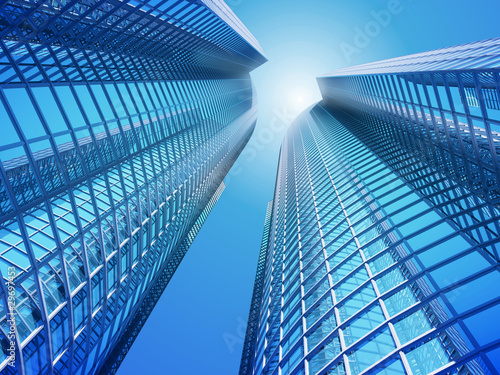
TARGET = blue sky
(198,324)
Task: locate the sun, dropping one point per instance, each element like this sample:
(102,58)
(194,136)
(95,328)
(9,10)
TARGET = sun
(297,96)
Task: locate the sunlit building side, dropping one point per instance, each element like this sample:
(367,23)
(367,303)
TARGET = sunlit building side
(382,244)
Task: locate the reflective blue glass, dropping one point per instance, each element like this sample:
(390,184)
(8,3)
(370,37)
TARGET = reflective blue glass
(119,121)
(382,243)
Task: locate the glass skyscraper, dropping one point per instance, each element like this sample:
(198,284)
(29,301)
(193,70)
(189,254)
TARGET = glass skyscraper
(118,123)
(381,248)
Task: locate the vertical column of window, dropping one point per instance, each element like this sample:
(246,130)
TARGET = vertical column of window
(148,112)
(92,113)
(386,112)
(489,108)
(201,100)
(114,233)
(216,97)
(127,222)
(207,98)
(356,276)
(133,109)
(139,171)
(292,341)
(424,136)
(369,102)
(160,109)
(120,138)
(262,342)
(107,229)
(273,318)
(202,115)
(372,103)
(493,109)
(274,333)
(210,123)
(469,136)
(361,91)
(184,117)
(176,94)
(86,207)
(227,102)
(85,260)
(366,82)
(309,244)
(399,105)
(149,204)
(388,121)
(192,102)
(224,102)
(170,119)
(438,126)
(291,326)
(133,182)
(455,147)
(390,91)
(401,129)
(323,319)
(407,99)
(292,314)
(195,157)
(198,158)
(415,131)
(180,149)
(374,93)
(129,141)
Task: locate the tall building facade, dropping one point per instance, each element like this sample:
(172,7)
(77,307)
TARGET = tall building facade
(119,121)
(382,244)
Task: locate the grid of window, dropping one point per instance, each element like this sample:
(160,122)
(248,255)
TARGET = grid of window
(482,54)
(102,40)
(116,357)
(448,119)
(119,121)
(384,239)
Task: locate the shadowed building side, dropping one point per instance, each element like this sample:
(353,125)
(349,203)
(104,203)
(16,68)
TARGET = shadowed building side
(120,120)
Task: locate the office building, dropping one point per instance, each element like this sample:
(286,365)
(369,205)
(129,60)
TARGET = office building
(119,121)
(381,248)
